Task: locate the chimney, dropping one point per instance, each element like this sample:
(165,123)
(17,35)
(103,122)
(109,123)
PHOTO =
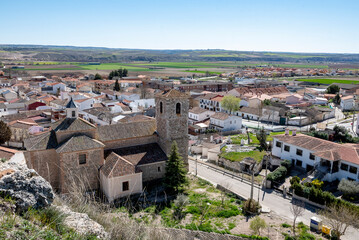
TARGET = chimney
(294,132)
(286,131)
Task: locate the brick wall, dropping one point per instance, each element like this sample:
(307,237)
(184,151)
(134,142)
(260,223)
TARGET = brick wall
(150,171)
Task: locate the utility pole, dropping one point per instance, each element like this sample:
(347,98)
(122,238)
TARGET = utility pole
(196,163)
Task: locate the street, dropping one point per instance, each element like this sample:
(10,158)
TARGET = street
(268,198)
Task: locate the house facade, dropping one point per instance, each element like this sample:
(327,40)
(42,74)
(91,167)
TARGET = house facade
(330,161)
(224,122)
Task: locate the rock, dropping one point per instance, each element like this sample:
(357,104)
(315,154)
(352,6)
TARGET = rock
(27,188)
(82,223)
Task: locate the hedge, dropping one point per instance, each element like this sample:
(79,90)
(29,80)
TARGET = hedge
(321,197)
(280,173)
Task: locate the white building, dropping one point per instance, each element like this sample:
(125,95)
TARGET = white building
(347,103)
(198,114)
(332,161)
(225,122)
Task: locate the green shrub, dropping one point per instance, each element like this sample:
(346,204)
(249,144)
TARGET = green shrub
(226,213)
(294,179)
(286,225)
(278,175)
(348,188)
(287,164)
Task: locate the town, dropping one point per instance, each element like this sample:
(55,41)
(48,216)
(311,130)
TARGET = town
(194,120)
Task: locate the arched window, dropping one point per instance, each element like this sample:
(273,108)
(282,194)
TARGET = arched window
(161,107)
(178,108)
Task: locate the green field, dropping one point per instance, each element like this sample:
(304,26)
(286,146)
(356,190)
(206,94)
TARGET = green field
(239,156)
(203,72)
(328,81)
(112,66)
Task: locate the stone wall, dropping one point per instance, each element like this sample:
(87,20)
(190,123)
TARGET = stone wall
(87,174)
(46,163)
(150,171)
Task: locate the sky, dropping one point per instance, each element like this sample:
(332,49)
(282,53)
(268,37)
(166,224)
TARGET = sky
(323,26)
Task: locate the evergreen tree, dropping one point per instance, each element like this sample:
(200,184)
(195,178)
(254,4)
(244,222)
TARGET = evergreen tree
(175,177)
(117,86)
(98,76)
(5,132)
(262,138)
(124,72)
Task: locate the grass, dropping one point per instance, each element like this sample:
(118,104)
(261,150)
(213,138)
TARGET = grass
(239,156)
(328,81)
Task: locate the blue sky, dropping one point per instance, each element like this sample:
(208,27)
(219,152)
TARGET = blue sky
(262,25)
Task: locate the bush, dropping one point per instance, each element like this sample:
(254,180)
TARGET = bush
(226,213)
(286,225)
(287,164)
(251,207)
(257,224)
(348,188)
(294,179)
(278,175)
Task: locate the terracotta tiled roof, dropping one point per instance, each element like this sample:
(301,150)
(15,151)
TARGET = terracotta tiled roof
(323,148)
(197,110)
(46,140)
(173,93)
(72,124)
(126,130)
(220,116)
(79,143)
(143,154)
(116,166)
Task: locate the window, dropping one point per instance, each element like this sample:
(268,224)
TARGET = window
(82,159)
(73,114)
(311,156)
(125,186)
(158,169)
(286,148)
(278,144)
(298,163)
(299,152)
(178,108)
(161,107)
(344,167)
(353,169)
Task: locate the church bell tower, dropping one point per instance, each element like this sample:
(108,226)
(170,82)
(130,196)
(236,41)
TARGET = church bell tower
(172,121)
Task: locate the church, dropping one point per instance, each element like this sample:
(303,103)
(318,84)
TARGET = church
(118,158)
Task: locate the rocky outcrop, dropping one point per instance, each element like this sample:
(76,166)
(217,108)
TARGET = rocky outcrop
(82,224)
(27,188)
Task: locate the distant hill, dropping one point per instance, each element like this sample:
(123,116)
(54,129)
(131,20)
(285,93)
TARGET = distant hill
(107,55)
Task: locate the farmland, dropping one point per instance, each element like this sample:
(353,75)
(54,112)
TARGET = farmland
(329,81)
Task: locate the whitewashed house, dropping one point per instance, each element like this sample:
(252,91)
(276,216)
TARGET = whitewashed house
(331,161)
(347,103)
(225,122)
(85,103)
(198,114)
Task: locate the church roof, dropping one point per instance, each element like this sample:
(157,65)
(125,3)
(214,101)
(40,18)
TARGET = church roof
(72,124)
(172,94)
(142,154)
(116,166)
(126,130)
(79,143)
(43,141)
(71,104)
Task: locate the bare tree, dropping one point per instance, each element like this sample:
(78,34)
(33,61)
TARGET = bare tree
(297,209)
(339,217)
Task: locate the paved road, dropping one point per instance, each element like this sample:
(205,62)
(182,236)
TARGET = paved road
(269,198)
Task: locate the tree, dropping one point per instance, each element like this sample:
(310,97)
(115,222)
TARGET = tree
(230,103)
(5,132)
(257,224)
(124,72)
(117,86)
(333,89)
(341,134)
(262,138)
(339,217)
(297,209)
(349,188)
(175,177)
(98,76)
(179,204)
(337,99)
